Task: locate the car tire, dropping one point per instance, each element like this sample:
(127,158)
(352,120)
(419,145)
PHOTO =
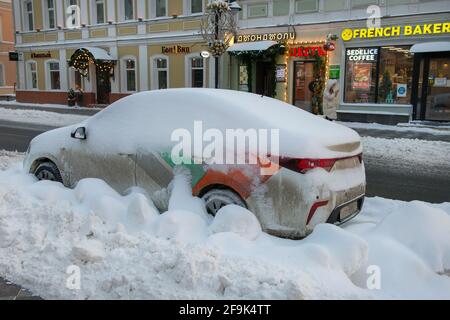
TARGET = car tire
(216,199)
(48,171)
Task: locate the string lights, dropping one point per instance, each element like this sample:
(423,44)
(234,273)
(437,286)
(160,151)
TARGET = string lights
(81,59)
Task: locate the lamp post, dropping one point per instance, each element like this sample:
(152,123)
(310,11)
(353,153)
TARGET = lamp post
(218,29)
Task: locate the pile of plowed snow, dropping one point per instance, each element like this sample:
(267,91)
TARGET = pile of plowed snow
(125,249)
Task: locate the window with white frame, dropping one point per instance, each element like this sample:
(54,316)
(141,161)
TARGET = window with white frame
(128,10)
(53,75)
(28,15)
(334,5)
(305,6)
(2,75)
(257,10)
(160,67)
(99,11)
(73,12)
(49,14)
(196,72)
(195,6)
(32,75)
(129,79)
(160,8)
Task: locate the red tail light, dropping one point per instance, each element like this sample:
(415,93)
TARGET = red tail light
(303,165)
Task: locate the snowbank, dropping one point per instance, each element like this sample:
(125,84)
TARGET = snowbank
(125,249)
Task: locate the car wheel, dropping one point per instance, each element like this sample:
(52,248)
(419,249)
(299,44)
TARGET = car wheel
(48,171)
(218,198)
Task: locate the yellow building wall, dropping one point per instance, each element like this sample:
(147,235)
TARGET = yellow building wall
(40,62)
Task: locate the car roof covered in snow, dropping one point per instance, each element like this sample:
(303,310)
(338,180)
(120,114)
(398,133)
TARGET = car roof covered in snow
(152,116)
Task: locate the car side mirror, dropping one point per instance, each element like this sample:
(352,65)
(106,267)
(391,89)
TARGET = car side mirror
(79,133)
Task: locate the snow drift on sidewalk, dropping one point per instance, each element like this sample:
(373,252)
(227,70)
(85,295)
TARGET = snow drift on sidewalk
(125,249)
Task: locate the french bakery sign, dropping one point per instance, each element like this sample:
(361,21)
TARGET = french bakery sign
(274,36)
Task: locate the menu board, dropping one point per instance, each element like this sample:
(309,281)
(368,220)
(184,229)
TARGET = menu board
(362,76)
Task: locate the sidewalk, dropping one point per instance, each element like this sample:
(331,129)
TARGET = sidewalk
(9,291)
(430,132)
(57,108)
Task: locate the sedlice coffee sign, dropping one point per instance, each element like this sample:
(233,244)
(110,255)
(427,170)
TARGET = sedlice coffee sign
(396,31)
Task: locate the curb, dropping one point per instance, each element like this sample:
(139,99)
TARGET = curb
(77,111)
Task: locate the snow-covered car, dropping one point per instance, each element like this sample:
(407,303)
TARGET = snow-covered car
(318,175)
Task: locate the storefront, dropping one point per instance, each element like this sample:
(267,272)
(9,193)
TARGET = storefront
(397,72)
(284,65)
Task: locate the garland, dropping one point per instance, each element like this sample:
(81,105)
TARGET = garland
(318,87)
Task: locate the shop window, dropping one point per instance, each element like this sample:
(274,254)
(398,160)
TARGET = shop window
(196,72)
(305,6)
(129,74)
(243,78)
(28,15)
(2,75)
(53,76)
(395,77)
(397,2)
(280,7)
(378,75)
(160,8)
(128,9)
(257,10)
(50,20)
(196,6)
(100,11)
(334,5)
(160,73)
(32,75)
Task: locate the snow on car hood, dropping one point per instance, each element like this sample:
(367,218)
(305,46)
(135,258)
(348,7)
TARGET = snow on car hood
(148,119)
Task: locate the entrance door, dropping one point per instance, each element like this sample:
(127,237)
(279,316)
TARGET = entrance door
(433,87)
(103,86)
(303,77)
(264,78)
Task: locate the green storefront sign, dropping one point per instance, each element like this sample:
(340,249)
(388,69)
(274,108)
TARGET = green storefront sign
(334,71)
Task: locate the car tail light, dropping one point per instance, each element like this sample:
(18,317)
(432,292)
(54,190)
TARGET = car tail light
(304,165)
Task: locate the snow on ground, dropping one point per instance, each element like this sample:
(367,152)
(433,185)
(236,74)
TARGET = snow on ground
(126,250)
(436,130)
(37,105)
(40,117)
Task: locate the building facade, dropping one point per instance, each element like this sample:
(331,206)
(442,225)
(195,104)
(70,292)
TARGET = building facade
(388,70)
(107,49)
(7,68)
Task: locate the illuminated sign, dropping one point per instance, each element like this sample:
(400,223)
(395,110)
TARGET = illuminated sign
(362,54)
(307,51)
(276,36)
(176,50)
(396,31)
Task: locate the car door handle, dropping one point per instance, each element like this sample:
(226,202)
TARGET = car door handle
(126,154)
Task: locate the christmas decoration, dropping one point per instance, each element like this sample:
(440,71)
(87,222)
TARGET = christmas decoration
(81,59)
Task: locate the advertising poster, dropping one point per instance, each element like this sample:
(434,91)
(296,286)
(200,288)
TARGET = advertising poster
(362,76)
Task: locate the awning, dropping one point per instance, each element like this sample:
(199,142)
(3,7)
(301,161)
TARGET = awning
(431,47)
(98,53)
(251,46)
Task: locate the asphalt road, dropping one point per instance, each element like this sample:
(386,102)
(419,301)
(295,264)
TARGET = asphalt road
(387,180)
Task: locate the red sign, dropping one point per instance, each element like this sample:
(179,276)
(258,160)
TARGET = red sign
(307,51)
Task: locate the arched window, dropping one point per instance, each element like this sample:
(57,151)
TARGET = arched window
(32,75)
(129,74)
(160,72)
(53,76)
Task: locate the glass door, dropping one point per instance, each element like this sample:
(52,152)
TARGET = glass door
(303,77)
(437,93)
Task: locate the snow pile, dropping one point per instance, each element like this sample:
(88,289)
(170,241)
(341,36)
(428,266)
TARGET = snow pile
(40,117)
(125,249)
